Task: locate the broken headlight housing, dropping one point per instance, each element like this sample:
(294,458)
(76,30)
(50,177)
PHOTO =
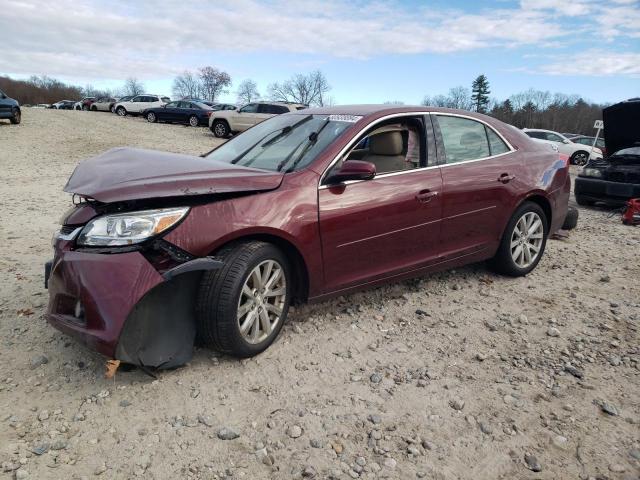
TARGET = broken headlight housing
(591,172)
(122,229)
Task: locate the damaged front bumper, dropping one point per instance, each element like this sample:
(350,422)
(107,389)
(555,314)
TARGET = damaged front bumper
(123,306)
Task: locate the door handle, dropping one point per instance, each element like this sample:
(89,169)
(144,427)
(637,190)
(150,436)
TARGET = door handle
(506,178)
(425,196)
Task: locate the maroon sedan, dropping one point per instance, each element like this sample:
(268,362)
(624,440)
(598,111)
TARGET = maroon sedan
(162,248)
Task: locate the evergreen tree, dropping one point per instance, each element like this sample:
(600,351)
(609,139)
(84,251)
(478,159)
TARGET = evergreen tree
(480,93)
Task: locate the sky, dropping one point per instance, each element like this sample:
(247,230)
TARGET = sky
(370,52)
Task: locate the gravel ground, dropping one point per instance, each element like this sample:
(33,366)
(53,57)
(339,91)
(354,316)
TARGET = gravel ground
(457,375)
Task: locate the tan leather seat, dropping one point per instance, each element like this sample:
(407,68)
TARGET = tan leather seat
(385,152)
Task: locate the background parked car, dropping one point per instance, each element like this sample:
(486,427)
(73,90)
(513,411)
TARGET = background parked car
(139,103)
(225,122)
(84,104)
(588,141)
(577,153)
(103,104)
(181,111)
(64,105)
(9,108)
(126,98)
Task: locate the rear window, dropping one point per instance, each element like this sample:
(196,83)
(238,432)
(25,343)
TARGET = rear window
(496,144)
(464,139)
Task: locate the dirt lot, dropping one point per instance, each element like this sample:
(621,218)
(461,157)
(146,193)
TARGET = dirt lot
(460,375)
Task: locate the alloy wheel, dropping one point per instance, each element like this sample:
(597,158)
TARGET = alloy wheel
(580,159)
(526,239)
(220,129)
(262,301)
(16,116)
(193,121)
(151,117)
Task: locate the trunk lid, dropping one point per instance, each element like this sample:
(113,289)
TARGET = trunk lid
(122,174)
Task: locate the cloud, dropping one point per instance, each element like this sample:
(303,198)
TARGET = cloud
(596,63)
(99,39)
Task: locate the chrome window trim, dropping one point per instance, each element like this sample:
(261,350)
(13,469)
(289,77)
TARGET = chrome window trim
(402,172)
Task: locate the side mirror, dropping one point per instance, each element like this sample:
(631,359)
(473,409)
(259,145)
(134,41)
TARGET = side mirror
(566,141)
(353,170)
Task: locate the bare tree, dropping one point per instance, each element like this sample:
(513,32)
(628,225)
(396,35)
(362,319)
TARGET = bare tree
(133,87)
(213,82)
(186,85)
(307,89)
(459,97)
(247,91)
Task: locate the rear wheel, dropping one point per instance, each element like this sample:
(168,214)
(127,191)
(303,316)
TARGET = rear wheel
(242,306)
(220,129)
(194,121)
(523,241)
(112,109)
(580,158)
(85,107)
(94,108)
(151,117)
(121,111)
(16,117)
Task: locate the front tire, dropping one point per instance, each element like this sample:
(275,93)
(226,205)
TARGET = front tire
(16,118)
(94,109)
(151,117)
(523,241)
(85,108)
(242,306)
(194,121)
(580,158)
(220,129)
(121,111)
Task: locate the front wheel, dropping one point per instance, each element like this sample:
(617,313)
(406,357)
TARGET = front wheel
(242,306)
(194,121)
(580,158)
(220,129)
(16,117)
(121,111)
(523,241)
(151,117)
(85,108)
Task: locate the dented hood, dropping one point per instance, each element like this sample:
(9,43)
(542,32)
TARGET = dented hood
(131,174)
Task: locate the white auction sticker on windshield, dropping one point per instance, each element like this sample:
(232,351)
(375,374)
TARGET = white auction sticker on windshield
(344,118)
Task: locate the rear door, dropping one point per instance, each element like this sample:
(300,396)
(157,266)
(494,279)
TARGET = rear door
(380,228)
(479,178)
(169,113)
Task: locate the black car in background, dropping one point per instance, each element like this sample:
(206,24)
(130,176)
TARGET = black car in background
(9,108)
(615,179)
(180,111)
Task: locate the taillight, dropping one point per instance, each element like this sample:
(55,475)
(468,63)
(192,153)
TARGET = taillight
(564,158)
(208,114)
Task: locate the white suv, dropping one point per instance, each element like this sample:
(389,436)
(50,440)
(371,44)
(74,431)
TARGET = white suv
(224,122)
(139,103)
(578,154)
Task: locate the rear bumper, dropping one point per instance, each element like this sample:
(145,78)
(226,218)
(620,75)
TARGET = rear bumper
(611,193)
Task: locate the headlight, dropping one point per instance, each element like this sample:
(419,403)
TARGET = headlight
(129,228)
(591,172)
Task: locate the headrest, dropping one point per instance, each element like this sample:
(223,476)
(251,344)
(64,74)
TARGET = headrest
(386,143)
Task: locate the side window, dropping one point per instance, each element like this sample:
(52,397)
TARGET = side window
(278,109)
(136,99)
(496,144)
(539,135)
(172,105)
(464,139)
(394,146)
(153,99)
(553,137)
(251,108)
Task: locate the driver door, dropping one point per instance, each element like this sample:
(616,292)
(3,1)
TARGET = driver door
(384,227)
(246,117)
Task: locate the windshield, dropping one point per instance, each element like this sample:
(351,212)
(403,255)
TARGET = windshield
(628,151)
(284,143)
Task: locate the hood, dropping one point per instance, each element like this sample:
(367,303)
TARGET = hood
(621,125)
(133,174)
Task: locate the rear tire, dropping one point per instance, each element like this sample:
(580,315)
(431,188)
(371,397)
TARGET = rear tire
(16,118)
(194,121)
(151,117)
(94,108)
(112,109)
(580,158)
(121,111)
(85,108)
(241,312)
(571,220)
(523,241)
(220,128)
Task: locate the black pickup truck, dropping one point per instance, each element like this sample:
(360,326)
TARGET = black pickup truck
(9,108)
(616,178)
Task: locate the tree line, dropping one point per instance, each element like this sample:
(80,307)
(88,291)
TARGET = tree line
(529,109)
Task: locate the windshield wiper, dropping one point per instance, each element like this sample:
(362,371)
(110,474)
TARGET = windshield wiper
(311,139)
(286,130)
